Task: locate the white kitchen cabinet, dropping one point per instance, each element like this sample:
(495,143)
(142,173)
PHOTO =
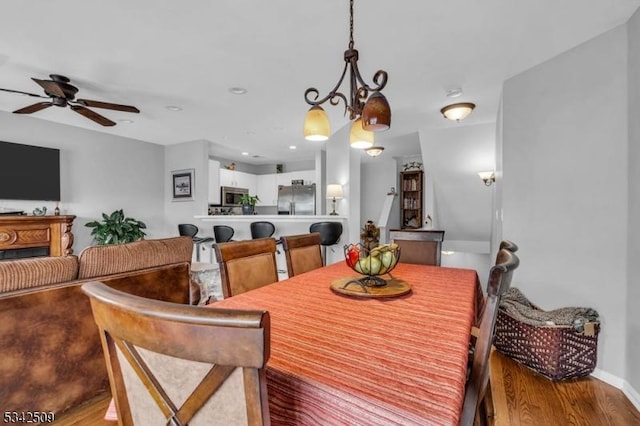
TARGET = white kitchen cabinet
(214,182)
(227,177)
(246,180)
(267,189)
(308,176)
(238,179)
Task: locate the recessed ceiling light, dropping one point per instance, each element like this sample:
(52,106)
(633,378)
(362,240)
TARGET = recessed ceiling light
(125,121)
(293,147)
(447,252)
(173,108)
(245,153)
(238,90)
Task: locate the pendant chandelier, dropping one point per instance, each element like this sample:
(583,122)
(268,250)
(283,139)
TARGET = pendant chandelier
(366,106)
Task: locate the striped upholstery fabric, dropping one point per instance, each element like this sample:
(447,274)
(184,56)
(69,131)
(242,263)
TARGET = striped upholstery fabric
(34,272)
(98,261)
(340,360)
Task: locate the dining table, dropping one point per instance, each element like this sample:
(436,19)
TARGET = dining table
(339,359)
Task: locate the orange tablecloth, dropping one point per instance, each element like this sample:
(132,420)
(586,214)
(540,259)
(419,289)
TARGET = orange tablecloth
(345,361)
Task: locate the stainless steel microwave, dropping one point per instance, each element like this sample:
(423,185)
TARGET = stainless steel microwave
(230,195)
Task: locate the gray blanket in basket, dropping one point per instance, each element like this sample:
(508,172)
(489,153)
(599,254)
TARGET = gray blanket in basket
(519,307)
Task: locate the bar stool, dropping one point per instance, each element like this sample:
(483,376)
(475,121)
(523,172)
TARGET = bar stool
(330,233)
(189,230)
(223,233)
(262,229)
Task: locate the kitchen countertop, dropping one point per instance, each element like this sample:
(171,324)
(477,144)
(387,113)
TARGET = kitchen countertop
(270,218)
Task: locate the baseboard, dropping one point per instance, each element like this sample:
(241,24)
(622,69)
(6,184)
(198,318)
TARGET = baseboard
(608,378)
(623,385)
(632,394)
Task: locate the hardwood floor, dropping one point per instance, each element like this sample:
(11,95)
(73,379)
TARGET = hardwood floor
(520,397)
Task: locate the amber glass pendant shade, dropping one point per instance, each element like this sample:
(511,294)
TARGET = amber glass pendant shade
(316,125)
(358,137)
(376,114)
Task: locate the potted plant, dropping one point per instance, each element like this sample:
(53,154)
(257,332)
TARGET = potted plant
(248,203)
(116,228)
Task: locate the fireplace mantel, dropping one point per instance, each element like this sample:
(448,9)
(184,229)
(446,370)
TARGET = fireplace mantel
(26,232)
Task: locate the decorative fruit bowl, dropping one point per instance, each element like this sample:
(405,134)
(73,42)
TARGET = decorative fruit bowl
(372,263)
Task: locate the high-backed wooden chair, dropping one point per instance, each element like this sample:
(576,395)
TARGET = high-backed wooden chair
(178,364)
(477,400)
(303,252)
(419,246)
(246,265)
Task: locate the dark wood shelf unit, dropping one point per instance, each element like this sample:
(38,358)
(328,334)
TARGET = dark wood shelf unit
(411,199)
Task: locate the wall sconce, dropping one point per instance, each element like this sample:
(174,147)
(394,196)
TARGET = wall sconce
(457,112)
(487,177)
(334,192)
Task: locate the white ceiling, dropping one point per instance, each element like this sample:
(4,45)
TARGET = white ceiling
(153,54)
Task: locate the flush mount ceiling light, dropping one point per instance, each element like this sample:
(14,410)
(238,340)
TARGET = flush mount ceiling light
(374,110)
(374,151)
(457,112)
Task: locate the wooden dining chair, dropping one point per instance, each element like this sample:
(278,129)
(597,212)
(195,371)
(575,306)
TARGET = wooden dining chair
(303,252)
(477,400)
(177,364)
(419,246)
(246,265)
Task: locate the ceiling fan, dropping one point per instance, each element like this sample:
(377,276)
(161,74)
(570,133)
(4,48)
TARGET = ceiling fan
(61,93)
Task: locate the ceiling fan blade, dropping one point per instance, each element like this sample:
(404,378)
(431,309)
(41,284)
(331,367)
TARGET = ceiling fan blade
(107,105)
(50,87)
(33,108)
(23,93)
(91,115)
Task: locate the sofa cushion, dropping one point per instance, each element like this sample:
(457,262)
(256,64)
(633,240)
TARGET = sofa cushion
(99,261)
(36,271)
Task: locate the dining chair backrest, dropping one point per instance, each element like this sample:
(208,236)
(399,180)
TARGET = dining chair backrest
(178,364)
(302,252)
(418,245)
(262,229)
(246,265)
(499,282)
(222,233)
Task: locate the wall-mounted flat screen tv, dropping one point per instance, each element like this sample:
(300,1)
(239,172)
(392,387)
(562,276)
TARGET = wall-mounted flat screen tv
(29,172)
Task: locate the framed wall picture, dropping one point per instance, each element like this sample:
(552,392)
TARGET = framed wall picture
(183,184)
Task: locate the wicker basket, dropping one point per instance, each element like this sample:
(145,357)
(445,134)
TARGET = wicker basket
(556,352)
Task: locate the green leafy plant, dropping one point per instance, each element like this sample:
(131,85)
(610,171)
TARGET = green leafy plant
(249,199)
(116,229)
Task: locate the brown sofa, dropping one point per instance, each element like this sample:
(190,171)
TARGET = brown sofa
(50,353)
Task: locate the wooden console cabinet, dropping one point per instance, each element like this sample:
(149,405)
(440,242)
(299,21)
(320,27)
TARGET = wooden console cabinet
(23,232)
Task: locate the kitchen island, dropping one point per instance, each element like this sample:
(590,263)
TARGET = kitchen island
(285,225)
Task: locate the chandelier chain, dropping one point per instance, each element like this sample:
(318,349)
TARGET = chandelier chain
(351,43)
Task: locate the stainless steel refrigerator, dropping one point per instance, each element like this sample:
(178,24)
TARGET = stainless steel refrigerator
(297,199)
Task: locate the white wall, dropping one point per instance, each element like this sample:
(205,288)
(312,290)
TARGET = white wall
(182,156)
(376,180)
(99,173)
(452,158)
(564,144)
(633,270)
(343,166)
